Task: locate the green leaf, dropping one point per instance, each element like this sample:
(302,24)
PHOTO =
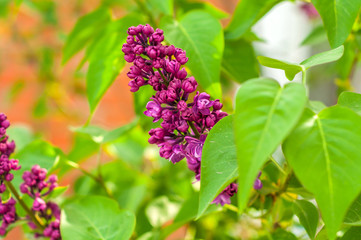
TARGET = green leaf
(163,6)
(107,59)
(101,136)
(261,121)
(353,233)
(338,18)
(324,57)
(21,134)
(291,69)
(247,13)
(316,36)
(239,61)
(85,28)
(187,213)
(323,150)
(219,162)
(96,218)
(307,213)
(353,216)
(203,43)
(184,6)
(350,100)
(37,152)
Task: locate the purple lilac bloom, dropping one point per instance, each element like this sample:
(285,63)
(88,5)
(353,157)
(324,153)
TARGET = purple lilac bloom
(7,208)
(185,122)
(8,214)
(6,149)
(37,185)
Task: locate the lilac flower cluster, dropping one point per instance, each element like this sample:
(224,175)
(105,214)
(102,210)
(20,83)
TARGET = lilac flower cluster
(6,148)
(185,123)
(8,214)
(37,187)
(7,208)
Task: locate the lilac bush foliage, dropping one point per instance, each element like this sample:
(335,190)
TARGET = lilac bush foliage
(186,119)
(46,213)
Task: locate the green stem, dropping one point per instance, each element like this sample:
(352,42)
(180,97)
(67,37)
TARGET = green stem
(194,129)
(89,174)
(304,79)
(35,219)
(161,74)
(277,165)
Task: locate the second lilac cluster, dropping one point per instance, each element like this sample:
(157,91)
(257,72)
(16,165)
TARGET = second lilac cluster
(37,186)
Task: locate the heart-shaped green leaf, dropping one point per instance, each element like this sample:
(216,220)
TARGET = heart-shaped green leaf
(219,162)
(204,48)
(291,69)
(353,216)
(85,28)
(96,218)
(239,61)
(265,114)
(323,57)
(323,150)
(350,100)
(107,59)
(338,18)
(307,213)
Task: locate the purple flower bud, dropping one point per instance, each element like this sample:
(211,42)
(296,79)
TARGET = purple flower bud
(217,105)
(175,84)
(182,125)
(157,37)
(257,183)
(132,31)
(2,188)
(182,105)
(148,30)
(139,49)
(225,196)
(211,120)
(189,85)
(181,74)
(130,40)
(129,57)
(154,110)
(24,188)
(202,103)
(133,86)
(152,52)
(180,55)
(156,136)
(5,124)
(170,50)
(172,67)
(177,154)
(166,150)
(9,177)
(39,204)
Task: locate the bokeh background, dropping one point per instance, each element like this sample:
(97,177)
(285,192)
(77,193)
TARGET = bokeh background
(48,98)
